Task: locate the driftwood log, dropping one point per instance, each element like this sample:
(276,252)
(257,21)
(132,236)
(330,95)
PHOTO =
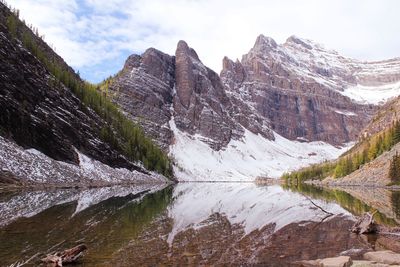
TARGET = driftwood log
(365,224)
(67,256)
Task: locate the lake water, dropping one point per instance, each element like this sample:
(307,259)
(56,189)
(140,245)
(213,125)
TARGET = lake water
(190,223)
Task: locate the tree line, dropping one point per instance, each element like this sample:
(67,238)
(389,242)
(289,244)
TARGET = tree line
(120,132)
(372,147)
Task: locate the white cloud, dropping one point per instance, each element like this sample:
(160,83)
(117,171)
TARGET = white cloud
(91,32)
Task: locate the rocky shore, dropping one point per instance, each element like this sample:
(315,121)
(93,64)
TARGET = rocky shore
(370,259)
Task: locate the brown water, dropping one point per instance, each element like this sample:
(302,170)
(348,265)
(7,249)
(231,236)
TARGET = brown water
(188,224)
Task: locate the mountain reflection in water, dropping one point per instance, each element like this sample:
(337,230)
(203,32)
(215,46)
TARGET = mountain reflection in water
(190,223)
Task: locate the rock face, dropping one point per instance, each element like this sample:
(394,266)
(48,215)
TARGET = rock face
(155,87)
(144,88)
(201,105)
(299,88)
(386,115)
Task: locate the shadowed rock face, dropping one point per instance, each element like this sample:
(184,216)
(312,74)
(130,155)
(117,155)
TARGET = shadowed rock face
(154,87)
(39,112)
(201,105)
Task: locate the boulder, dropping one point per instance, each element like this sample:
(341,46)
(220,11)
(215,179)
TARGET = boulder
(384,256)
(341,261)
(368,264)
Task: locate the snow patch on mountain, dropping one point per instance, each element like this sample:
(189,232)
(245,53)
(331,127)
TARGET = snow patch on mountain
(31,166)
(344,112)
(376,95)
(246,159)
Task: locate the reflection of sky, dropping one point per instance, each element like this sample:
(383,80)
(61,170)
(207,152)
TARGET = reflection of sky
(96,36)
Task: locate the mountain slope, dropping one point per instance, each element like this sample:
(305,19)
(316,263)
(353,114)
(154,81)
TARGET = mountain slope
(40,111)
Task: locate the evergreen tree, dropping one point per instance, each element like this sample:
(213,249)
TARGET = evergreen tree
(396,133)
(373,151)
(394,169)
(12,25)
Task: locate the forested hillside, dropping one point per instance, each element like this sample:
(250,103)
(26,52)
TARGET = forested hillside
(40,112)
(365,151)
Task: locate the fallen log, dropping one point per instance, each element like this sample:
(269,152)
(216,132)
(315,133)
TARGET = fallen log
(67,256)
(365,224)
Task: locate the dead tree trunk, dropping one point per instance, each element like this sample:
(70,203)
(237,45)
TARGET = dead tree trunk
(365,224)
(67,256)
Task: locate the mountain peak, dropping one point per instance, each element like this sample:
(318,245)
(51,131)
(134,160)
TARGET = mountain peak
(263,41)
(183,48)
(182,45)
(300,41)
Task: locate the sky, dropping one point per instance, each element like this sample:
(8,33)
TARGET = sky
(96,36)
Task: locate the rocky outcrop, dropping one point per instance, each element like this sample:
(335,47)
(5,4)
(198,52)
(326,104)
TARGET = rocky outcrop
(201,105)
(384,118)
(154,87)
(144,90)
(298,88)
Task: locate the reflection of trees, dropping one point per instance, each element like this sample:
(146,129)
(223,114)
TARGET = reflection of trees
(395,198)
(105,227)
(344,199)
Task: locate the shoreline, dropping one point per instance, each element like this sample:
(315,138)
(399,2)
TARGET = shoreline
(34,187)
(338,184)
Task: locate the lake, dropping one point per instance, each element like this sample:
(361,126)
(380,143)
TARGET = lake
(191,223)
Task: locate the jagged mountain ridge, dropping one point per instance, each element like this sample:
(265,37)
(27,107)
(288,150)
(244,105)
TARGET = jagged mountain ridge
(296,91)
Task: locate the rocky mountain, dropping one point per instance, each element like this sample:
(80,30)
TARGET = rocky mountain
(154,87)
(143,88)
(282,106)
(304,90)
(40,112)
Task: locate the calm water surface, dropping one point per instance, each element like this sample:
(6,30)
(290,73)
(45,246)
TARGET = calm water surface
(190,223)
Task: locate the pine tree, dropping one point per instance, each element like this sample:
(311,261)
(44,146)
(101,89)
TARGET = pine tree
(373,151)
(396,133)
(12,25)
(394,169)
